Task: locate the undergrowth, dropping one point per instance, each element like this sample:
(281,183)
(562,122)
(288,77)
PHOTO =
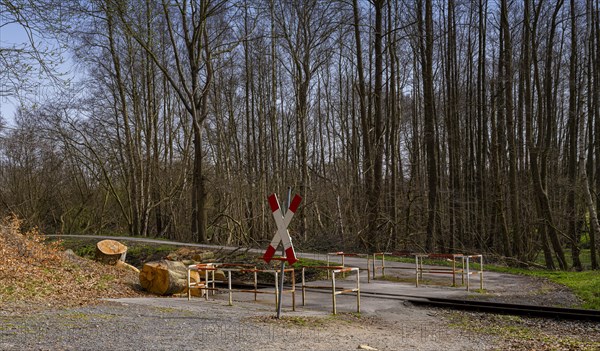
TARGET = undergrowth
(36,274)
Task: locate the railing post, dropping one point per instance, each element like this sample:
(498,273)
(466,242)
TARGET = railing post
(481,272)
(417,270)
(230,292)
(212,275)
(206,284)
(328,265)
(358,290)
(255,284)
(276,291)
(453,272)
(293,272)
(333,291)
(189,291)
(303,289)
(468,274)
(462,271)
(374,268)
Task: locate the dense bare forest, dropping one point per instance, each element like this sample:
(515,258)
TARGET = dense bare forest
(427,125)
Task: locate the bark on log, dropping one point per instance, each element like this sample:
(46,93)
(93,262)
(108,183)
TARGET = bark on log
(110,251)
(165,277)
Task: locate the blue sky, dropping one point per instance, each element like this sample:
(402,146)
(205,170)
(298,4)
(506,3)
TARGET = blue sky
(14,35)
(10,35)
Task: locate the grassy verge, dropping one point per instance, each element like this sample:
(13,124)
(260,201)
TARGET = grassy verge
(586,285)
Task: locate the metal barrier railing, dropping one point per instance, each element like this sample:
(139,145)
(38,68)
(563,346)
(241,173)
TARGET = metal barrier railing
(464,270)
(371,259)
(256,291)
(209,282)
(334,290)
(344,255)
(209,270)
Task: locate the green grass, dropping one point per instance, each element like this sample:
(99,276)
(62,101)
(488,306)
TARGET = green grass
(307,262)
(137,253)
(310,274)
(586,285)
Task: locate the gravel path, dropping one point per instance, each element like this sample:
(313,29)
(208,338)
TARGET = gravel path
(175,324)
(150,323)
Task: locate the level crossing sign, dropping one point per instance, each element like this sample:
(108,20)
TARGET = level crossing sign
(282,234)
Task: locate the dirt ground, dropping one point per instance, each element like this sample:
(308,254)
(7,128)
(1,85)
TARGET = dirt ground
(66,310)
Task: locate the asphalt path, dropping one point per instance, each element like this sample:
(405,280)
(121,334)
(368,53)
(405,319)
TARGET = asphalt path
(314,256)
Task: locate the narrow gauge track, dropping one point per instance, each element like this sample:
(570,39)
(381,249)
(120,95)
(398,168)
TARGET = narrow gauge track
(494,307)
(472,305)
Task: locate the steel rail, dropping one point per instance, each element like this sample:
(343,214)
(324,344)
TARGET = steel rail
(493,307)
(511,308)
(549,312)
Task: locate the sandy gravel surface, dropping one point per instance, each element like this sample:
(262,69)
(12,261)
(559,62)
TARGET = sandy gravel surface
(54,306)
(175,324)
(150,323)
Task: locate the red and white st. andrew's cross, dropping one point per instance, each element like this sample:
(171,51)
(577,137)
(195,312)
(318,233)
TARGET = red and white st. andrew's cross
(282,234)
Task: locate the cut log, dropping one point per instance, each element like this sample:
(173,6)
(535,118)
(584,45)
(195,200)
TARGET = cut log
(121,264)
(186,254)
(110,251)
(166,277)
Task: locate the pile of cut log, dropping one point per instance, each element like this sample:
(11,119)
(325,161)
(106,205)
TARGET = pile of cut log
(169,276)
(163,277)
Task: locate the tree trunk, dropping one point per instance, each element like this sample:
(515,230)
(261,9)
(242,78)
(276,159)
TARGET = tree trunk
(165,277)
(374,195)
(198,191)
(529,58)
(364,118)
(540,182)
(482,127)
(110,251)
(573,140)
(593,84)
(506,60)
(426,49)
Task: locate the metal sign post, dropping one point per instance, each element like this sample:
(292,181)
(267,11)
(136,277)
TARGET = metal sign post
(280,301)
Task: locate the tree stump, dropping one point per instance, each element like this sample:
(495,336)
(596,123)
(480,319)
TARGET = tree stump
(110,251)
(166,277)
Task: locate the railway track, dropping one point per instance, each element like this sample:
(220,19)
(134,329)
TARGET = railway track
(493,307)
(559,313)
